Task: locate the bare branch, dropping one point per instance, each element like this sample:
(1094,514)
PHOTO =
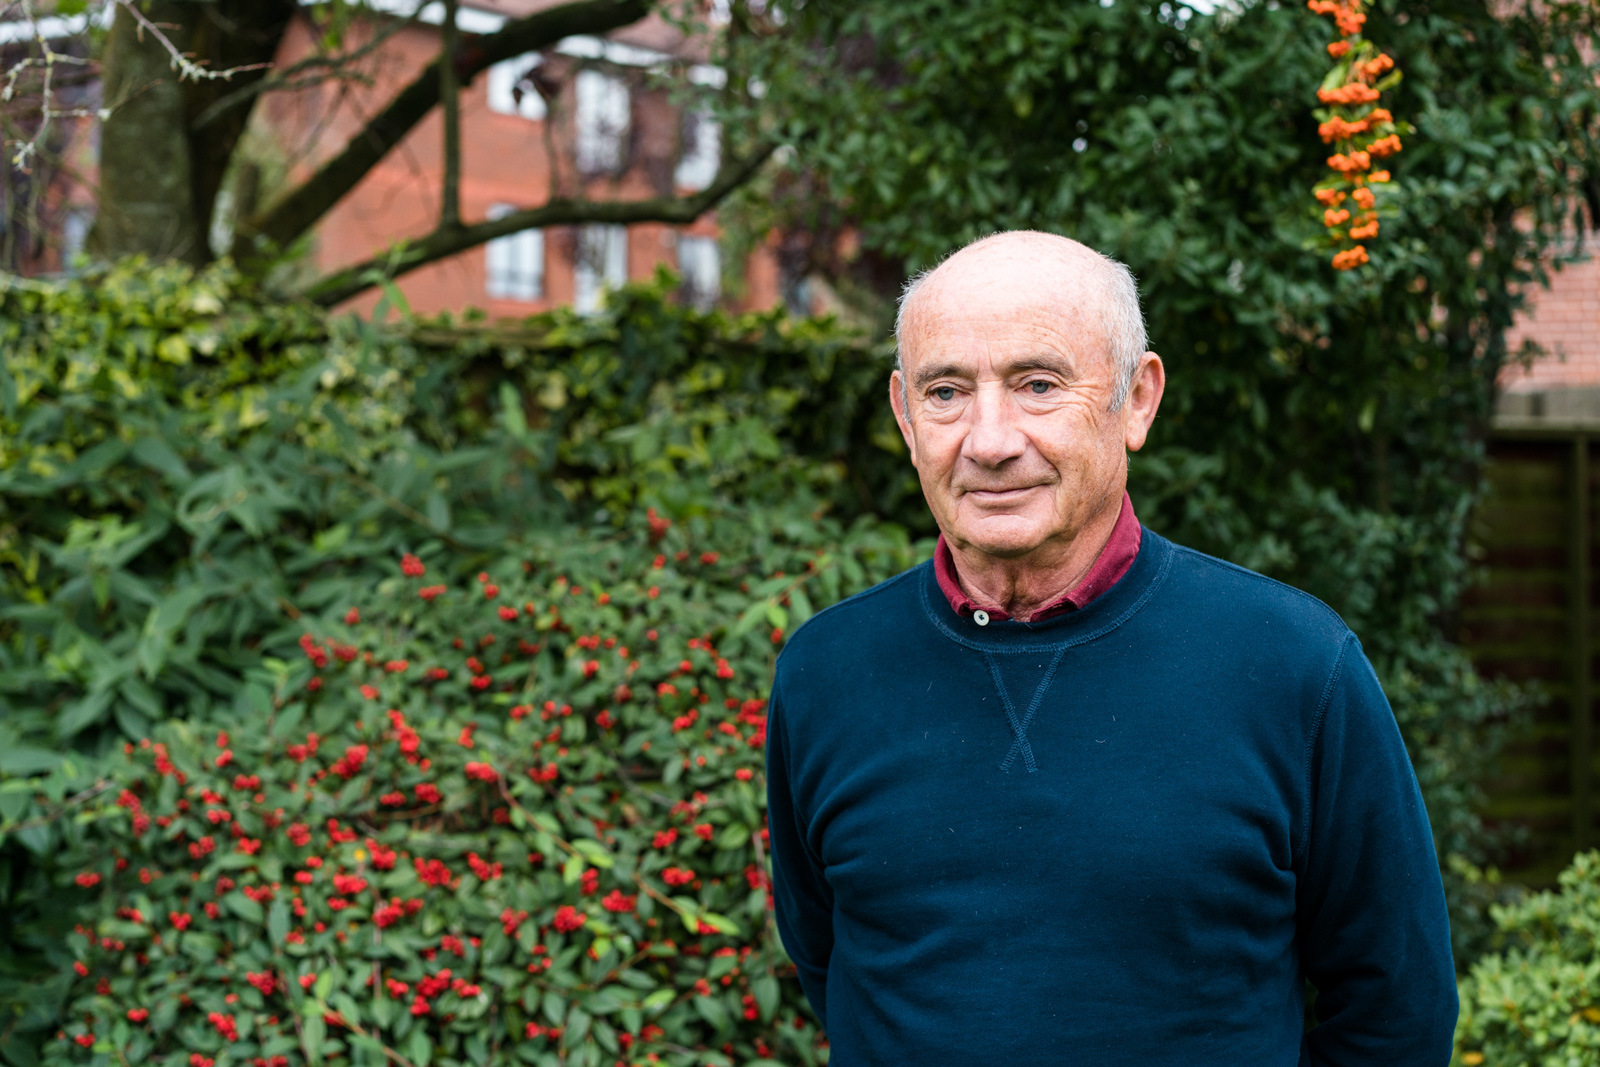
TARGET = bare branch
(297,212)
(561,211)
(450,104)
(45,62)
(286,80)
(188,69)
(48,57)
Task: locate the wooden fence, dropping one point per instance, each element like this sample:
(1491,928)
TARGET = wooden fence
(1530,618)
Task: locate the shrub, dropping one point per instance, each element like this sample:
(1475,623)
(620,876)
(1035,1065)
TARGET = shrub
(186,470)
(1537,1002)
(516,815)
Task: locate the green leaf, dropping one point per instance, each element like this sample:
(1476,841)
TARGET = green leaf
(712,1011)
(156,454)
(368,1043)
(572,870)
(511,411)
(28,761)
(83,714)
(315,1031)
(722,923)
(244,907)
(277,922)
(765,989)
(346,1006)
(594,852)
(577,1027)
(419,1047)
(658,1000)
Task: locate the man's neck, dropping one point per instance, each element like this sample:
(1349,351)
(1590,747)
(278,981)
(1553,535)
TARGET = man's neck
(1020,587)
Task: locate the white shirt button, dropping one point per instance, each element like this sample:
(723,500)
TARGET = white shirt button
(980,617)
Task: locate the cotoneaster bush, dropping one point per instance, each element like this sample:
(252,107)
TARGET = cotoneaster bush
(515,819)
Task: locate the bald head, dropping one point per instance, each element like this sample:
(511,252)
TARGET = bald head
(1026,269)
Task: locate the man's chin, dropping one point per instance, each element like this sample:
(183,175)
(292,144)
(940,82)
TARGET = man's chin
(1002,536)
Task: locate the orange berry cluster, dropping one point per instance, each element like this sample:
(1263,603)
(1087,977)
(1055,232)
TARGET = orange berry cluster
(1360,132)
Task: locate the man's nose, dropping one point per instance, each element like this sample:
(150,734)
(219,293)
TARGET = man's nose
(993,436)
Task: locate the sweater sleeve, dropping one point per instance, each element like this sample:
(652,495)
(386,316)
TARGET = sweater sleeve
(1374,934)
(802,898)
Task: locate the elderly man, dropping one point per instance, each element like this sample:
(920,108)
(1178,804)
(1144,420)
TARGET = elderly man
(1070,793)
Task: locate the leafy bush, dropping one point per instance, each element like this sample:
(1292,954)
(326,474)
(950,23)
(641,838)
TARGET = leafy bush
(1537,1002)
(188,473)
(516,815)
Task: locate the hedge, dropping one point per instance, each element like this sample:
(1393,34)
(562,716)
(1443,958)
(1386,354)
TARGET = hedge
(192,477)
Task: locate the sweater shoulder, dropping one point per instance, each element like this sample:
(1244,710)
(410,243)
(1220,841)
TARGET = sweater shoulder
(844,630)
(1262,604)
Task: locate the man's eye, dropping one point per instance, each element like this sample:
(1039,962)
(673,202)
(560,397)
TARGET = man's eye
(1040,387)
(944,392)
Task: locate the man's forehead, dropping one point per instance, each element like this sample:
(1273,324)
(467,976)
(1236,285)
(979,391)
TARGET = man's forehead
(1002,322)
(1006,284)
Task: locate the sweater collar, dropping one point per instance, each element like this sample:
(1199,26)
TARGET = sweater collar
(1109,567)
(1104,613)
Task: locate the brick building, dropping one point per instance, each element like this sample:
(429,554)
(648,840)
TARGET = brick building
(612,118)
(621,117)
(1564,320)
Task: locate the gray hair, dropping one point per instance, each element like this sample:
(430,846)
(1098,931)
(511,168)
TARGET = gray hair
(1118,293)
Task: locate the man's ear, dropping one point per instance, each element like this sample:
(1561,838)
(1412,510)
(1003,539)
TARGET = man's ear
(902,417)
(1149,382)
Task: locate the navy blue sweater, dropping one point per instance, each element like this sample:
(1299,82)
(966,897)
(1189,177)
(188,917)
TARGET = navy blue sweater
(1124,835)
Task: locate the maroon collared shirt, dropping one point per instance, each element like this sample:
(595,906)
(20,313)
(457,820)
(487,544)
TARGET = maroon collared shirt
(1109,567)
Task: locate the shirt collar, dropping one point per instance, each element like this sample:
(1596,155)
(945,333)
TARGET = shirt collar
(1113,562)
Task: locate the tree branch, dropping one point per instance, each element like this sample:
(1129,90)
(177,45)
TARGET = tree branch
(285,80)
(297,212)
(450,103)
(562,211)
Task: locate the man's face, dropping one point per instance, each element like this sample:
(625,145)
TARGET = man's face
(1008,391)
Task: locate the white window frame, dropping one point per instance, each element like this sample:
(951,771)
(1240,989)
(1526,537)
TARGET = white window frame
(514,264)
(702,150)
(603,116)
(509,76)
(601,264)
(700,266)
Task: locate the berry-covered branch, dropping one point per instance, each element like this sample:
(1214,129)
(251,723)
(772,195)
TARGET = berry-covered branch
(1360,132)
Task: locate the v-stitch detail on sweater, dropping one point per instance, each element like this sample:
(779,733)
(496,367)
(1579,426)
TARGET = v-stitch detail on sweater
(1019,727)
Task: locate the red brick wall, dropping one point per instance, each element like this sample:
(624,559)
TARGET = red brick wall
(1565,321)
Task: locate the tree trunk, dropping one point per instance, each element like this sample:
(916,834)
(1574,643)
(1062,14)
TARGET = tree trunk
(147,201)
(159,177)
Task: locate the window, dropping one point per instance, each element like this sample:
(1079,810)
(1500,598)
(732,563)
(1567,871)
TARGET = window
(602,264)
(700,263)
(516,261)
(75,226)
(602,115)
(702,150)
(511,87)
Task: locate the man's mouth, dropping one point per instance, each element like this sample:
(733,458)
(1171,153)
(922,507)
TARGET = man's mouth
(999,496)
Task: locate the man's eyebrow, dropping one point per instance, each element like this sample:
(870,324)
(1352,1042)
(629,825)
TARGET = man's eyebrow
(942,370)
(1058,364)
